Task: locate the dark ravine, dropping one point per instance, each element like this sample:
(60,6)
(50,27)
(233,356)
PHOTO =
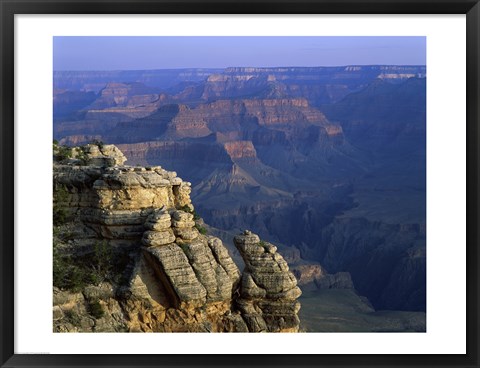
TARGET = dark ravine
(370,251)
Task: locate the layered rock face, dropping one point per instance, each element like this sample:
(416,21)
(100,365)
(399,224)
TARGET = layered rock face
(240,150)
(301,156)
(133,100)
(268,289)
(263,121)
(331,84)
(225,115)
(174,278)
(104,155)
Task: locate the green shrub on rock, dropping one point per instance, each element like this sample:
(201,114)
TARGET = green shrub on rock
(72,317)
(74,272)
(60,198)
(202,230)
(95,309)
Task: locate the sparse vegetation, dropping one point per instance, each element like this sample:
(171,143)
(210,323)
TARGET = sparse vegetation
(202,230)
(68,273)
(95,309)
(184,247)
(74,272)
(103,261)
(61,153)
(187,209)
(82,156)
(60,197)
(72,317)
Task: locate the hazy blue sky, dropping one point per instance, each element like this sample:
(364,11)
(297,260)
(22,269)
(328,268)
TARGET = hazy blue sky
(127,53)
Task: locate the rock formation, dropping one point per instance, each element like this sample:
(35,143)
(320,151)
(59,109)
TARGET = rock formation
(125,102)
(268,289)
(302,156)
(169,275)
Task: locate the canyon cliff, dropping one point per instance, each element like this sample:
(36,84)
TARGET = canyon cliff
(130,254)
(327,163)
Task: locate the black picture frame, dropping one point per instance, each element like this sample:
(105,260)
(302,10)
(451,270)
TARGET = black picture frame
(9,8)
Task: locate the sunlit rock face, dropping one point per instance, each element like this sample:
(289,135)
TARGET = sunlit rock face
(269,291)
(170,276)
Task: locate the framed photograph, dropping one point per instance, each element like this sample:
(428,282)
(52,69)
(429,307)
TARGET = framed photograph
(237,184)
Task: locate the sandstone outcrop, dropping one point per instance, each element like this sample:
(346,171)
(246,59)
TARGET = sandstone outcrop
(101,155)
(165,273)
(268,289)
(105,155)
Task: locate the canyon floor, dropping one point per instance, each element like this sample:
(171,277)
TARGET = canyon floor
(340,310)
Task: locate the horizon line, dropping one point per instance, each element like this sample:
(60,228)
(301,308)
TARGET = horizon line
(231,67)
